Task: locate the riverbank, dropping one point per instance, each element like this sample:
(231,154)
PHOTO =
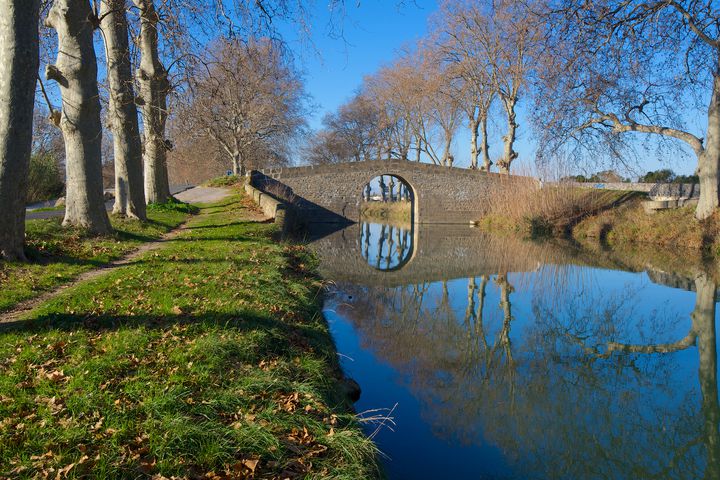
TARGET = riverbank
(386,211)
(613,218)
(206,358)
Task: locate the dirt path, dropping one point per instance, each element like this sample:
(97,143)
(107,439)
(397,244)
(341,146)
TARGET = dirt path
(202,195)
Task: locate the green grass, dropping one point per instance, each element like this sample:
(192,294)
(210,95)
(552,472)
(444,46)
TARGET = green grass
(206,358)
(57,255)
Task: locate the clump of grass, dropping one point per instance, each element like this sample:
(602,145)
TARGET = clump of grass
(551,210)
(58,254)
(207,358)
(173,205)
(224,181)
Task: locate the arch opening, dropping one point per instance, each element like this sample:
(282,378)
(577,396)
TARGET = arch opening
(388,198)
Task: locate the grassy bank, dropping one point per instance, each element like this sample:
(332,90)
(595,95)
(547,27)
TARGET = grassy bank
(57,255)
(386,211)
(672,228)
(207,358)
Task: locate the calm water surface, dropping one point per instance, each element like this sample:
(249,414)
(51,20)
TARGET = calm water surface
(498,358)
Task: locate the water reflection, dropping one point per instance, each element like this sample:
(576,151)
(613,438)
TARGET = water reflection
(386,247)
(562,370)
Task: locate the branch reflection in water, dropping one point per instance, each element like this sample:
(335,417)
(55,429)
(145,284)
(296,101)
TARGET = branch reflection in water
(567,370)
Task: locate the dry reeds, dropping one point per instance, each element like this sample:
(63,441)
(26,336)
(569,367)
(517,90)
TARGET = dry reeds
(552,208)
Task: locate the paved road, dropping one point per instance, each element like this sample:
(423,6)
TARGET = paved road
(30,214)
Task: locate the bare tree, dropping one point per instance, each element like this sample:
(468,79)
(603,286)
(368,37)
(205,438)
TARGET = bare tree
(248,97)
(127,147)
(76,73)
(327,146)
(620,66)
(515,33)
(19,45)
(464,42)
(444,103)
(356,124)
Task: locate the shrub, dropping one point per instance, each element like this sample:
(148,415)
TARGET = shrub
(44,179)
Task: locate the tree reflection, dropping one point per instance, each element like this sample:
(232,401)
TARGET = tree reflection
(566,395)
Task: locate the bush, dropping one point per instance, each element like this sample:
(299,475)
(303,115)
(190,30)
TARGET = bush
(667,176)
(44,179)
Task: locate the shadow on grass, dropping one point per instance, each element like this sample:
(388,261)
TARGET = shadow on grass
(242,321)
(231,224)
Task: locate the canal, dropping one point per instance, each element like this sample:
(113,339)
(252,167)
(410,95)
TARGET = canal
(492,357)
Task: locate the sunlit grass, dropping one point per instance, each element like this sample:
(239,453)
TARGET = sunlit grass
(57,254)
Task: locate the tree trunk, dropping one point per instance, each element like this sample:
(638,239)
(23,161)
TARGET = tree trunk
(484,148)
(127,148)
(18,70)
(509,154)
(238,164)
(446,153)
(76,73)
(154,89)
(709,160)
(474,127)
(704,326)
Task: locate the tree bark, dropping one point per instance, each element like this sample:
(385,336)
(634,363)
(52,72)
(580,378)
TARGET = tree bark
(709,159)
(509,154)
(238,164)
(484,148)
(154,89)
(446,153)
(19,61)
(474,128)
(76,73)
(127,147)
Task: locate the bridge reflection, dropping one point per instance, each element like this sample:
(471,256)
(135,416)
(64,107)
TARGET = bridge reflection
(386,247)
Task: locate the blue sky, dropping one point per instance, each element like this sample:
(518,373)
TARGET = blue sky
(373,32)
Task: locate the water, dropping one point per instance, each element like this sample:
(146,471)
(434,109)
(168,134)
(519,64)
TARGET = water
(498,358)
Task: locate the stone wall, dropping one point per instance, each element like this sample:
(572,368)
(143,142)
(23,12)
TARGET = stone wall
(272,207)
(333,193)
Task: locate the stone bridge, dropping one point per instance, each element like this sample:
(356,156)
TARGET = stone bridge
(333,193)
